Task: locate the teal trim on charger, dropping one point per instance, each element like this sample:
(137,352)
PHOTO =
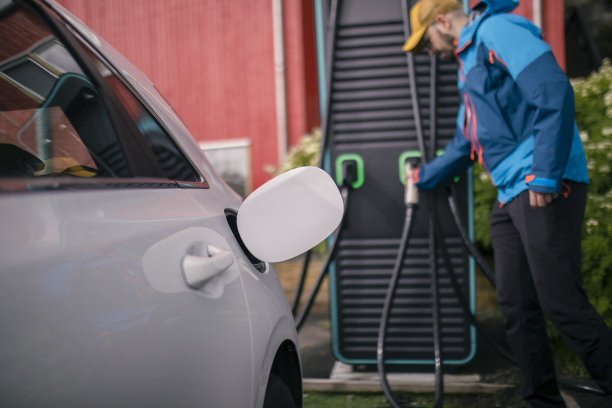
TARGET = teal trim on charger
(326,161)
(471,262)
(350,156)
(334,312)
(321,70)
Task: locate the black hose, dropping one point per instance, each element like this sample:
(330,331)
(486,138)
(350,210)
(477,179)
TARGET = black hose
(331,253)
(581,387)
(467,242)
(300,287)
(384,320)
(437,330)
(334,14)
(437,338)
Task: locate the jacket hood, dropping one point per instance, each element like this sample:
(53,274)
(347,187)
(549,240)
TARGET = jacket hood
(479,12)
(497,6)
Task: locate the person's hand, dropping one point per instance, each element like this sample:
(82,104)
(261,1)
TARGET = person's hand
(540,200)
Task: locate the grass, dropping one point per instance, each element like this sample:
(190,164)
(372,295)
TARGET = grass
(314,399)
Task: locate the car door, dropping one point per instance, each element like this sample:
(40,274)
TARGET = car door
(119,278)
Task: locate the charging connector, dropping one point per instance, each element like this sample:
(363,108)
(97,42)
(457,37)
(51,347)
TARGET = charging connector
(349,172)
(411,194)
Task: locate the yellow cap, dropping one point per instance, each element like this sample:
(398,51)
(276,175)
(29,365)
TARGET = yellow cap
(64,165)
(422,15)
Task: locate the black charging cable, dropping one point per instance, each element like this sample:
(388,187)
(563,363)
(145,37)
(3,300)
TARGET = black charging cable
(431,196)
(384,320)
(435,291)
(411,201)
(300,286)
(331,253)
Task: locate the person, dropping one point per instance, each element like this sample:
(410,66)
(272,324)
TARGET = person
(516,119)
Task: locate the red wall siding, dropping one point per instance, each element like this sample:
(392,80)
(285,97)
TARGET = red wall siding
(554,28)
(301,74)
(212,60)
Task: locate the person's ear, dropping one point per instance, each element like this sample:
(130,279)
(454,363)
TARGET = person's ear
(444,23)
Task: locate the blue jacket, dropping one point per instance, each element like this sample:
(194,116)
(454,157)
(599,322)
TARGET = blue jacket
(517,109)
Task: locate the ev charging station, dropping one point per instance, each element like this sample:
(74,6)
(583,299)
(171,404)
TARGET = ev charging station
(381,106)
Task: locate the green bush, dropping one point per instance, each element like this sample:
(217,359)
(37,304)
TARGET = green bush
(594,118)
(484,197)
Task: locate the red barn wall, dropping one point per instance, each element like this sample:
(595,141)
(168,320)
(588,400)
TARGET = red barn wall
(301,61)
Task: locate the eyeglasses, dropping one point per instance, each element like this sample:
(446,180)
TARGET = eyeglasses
(425,44)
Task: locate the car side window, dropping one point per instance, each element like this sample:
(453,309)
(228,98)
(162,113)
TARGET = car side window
(172,161)
(55,121)
(52,119)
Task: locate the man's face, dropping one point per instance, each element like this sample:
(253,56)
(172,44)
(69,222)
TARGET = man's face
(437,42)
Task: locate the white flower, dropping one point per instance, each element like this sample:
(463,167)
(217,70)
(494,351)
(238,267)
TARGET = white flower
(591,224)
(603,145)
(584,135)
(608,99)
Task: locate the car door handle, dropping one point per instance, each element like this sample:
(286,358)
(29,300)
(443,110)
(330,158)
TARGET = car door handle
(197,270)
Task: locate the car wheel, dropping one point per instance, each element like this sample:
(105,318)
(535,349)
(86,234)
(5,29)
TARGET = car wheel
(278,394)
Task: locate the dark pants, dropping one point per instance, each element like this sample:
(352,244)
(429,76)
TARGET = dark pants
(537,267)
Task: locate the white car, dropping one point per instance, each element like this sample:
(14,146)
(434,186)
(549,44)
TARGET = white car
(124,280)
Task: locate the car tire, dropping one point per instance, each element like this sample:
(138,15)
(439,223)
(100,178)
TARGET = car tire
(278,394)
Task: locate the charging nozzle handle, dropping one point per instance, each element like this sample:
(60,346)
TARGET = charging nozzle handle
(349,173)
(411,194)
